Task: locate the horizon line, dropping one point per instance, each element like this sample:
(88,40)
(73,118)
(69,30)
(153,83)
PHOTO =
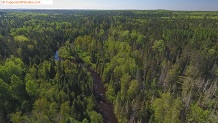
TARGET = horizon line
(106,9)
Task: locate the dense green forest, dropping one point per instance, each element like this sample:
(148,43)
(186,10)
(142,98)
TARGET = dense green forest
(157,66)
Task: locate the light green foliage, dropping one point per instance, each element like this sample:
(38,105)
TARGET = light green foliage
(63,52)
(12,87)
(65,109)
(85,121)
(140,40)
(85,46)
(166,109)
(125,81)
(110,93)
(172,76)
(90,103)
(96,117)
(16,117)
(124,35)
(41,105)
(17,86)
(44,70)
(133,89)
(21,38)
(4,73)
(159,46)
(211,52)
(15,66)
(53,110)
(32,87)
(197,114)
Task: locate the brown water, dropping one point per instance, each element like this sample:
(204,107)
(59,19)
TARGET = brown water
(104,107)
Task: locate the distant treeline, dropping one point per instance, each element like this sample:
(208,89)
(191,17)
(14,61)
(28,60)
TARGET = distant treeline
(157,66)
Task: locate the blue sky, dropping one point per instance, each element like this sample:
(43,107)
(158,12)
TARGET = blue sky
(125,4)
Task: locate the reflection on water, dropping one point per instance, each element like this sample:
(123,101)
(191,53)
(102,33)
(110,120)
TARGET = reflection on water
(56,56)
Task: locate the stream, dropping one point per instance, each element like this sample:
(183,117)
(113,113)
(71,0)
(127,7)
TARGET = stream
(103,106)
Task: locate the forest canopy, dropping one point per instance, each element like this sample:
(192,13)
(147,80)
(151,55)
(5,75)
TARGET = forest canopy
(156,66)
